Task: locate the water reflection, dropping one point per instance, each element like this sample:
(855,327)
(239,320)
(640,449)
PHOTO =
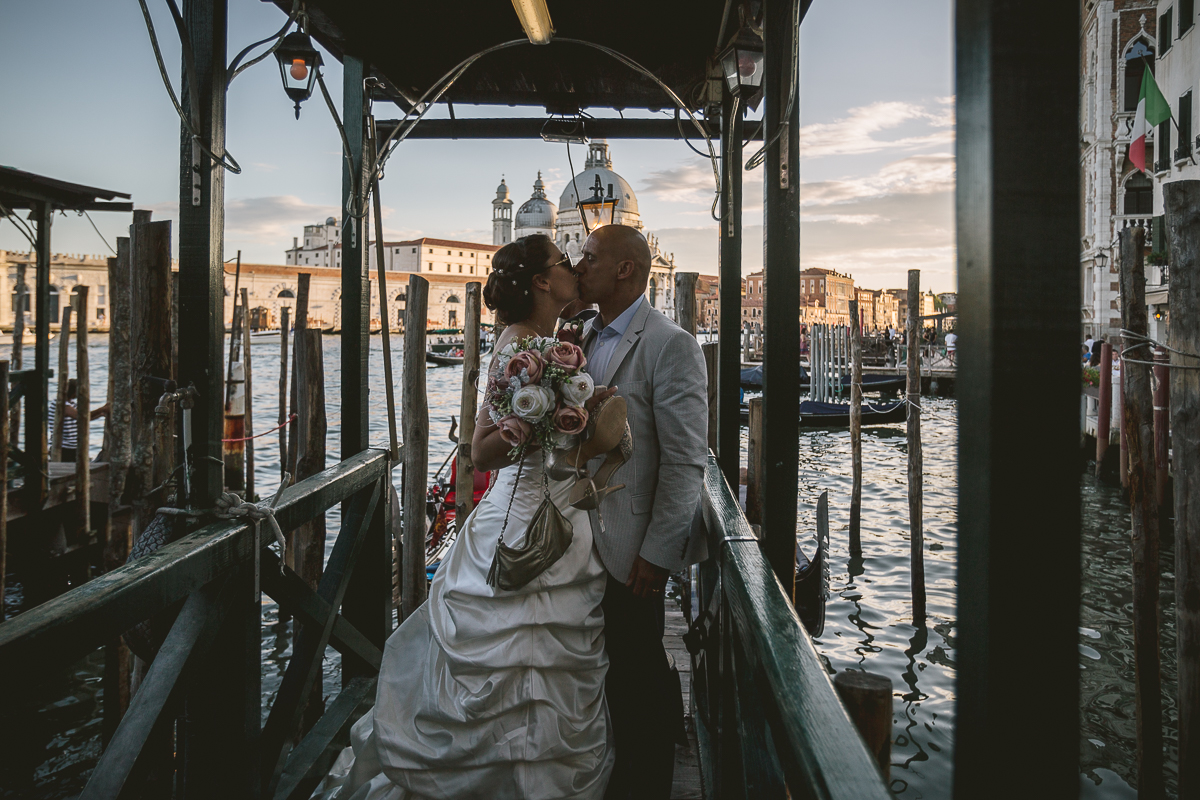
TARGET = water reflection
(51,751)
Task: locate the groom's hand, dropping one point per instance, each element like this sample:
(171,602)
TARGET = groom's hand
(646,579)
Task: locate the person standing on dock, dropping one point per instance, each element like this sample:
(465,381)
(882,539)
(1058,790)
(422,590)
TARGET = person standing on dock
(647,529)
(70,432)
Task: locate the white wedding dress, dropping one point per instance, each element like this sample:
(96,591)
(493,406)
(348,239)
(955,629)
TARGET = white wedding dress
(486,693)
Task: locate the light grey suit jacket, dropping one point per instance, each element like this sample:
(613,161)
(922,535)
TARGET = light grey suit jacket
(659,369)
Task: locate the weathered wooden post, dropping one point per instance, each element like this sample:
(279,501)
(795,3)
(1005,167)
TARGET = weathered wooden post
(1104,411)
(868,700)
(685,300)
(283,387)
(915,463)
(83,410)
(303,281)
(60,399)
(150,359)
(464,489)
(249,395)
(755,466)
(308,540)
(1162,428)
(1138,426)
(416,447)
(1182,202)
(856,432)
(235,409)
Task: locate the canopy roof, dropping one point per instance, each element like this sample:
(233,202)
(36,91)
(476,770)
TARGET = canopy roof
(20,189)
(410,46)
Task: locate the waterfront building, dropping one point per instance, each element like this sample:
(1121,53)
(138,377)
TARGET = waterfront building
(1121,40)
(67,271)
(501,216)
(887,310)
(866,308)
(752,299)
(827,290)
(708,302)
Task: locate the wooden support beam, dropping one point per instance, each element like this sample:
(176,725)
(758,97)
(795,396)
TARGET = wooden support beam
(856,459)
(36,409)
(1182,202)
(249,386)
(730,319)
(868,701)
(356,288)
(120,387)
(202,245)
(916,465)
(3,480)
(283,391)
(1015,298)
(781,291)
(1138,423)
(384,318)
(83,411)
(60,397)
(685,300)
(18,347)
(312,758)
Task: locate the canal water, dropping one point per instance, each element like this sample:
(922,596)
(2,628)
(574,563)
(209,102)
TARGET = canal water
(868,613)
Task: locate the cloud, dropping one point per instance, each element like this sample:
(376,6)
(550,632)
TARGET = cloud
(857,132)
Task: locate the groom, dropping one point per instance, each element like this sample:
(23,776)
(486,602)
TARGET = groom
(659,370)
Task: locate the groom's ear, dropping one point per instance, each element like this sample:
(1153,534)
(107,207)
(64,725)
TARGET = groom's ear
(626,269)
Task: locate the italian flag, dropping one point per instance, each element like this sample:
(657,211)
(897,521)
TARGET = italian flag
(1152,110)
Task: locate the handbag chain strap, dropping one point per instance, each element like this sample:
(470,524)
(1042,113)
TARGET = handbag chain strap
(516,482)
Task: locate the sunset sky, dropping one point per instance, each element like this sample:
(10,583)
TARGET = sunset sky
(84,103)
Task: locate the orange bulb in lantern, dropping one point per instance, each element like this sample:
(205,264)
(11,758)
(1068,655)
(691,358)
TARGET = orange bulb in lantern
(299,69)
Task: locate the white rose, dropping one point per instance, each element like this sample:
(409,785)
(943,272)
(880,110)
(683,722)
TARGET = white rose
(531,403)
(578,389)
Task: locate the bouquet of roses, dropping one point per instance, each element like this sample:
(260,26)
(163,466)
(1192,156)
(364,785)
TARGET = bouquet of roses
(537,394)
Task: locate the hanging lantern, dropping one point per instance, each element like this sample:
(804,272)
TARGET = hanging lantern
(298,63)
(742,65)
(598,210)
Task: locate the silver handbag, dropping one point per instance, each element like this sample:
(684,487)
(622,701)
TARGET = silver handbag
(546,540)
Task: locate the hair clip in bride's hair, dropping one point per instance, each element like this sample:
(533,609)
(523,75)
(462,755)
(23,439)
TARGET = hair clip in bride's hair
(514,283)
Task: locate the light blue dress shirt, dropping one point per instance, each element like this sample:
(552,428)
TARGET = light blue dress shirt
(600,350)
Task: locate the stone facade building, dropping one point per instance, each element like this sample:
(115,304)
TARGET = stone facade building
(1120,40)
(67,271)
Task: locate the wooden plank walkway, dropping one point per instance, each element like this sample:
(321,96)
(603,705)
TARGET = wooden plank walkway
(686,784)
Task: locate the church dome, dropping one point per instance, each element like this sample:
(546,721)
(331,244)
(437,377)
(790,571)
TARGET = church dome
(537,212)
(599,165)
(502,190)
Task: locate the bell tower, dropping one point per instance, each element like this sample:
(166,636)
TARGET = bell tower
(502,219)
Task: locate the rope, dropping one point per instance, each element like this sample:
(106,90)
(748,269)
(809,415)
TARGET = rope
(285,423)
(233,506)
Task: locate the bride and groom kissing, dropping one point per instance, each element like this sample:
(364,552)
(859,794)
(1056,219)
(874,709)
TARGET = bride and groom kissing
(536,673)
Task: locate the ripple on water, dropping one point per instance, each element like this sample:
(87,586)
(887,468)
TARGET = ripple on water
(868,624)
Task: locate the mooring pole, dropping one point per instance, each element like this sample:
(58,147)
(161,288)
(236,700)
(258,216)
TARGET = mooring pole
(18,347)
(464,489)
(1162,428)
(916,466)
(415,419)
(1016,299)
(281,420)
(1182,202)
(60,397)
(729,323)
(249,394)
(856,431)
(83,412)
(36,391)
(1138,425)
(1104,408)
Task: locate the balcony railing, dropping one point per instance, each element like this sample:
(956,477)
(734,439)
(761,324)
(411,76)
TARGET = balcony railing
(1133,220)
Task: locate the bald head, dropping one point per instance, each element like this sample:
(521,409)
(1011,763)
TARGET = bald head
(623,243)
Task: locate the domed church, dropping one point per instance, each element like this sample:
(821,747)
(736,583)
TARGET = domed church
(607,198)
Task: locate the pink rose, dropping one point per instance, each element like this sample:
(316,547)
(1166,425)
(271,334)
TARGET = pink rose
(529,361)
(566,355)
(570,333)
(570,420)
(514,430)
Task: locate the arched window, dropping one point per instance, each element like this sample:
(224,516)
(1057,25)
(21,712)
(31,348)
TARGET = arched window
(286,293)
(26,304)
(54,310)
(453,299)
(1139,194)
(653,290)
(1138,59)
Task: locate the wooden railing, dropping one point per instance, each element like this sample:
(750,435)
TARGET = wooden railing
(768,715)
(200,700)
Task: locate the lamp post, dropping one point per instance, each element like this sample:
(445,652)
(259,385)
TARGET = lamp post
(742,66)
(298,63)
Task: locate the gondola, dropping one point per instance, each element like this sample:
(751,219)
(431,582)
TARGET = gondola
(443,360)
(837,415)
(812,577)
(439,507)
(878,383)
(752,378)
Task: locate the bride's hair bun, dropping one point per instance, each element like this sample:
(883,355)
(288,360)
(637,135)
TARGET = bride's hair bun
(513,267)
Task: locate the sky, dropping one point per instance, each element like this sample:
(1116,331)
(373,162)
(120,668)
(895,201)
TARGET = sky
(83,102)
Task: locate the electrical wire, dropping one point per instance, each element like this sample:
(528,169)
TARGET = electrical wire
(575,186)
(227,161)
(97,230)
(235,70)
(756,160)
(349,208)
(21,225)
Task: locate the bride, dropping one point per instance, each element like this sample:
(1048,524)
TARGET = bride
(486,693)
